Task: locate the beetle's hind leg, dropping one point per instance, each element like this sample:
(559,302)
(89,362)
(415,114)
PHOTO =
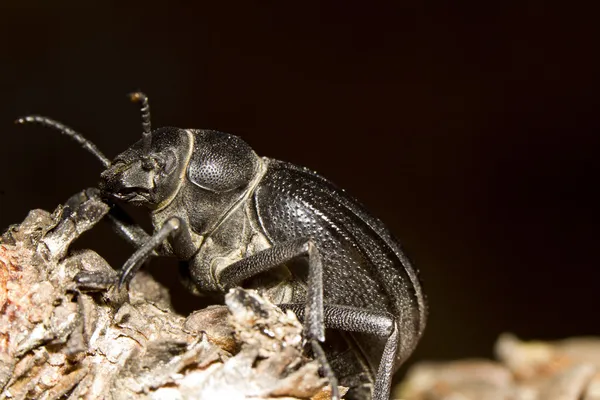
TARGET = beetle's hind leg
(275,256)
(354,319)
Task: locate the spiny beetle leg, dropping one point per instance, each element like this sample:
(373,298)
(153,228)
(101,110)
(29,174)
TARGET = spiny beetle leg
(94,280)
(126,227)
(117,217)
(265,260)
(327,370)
(236,273)
(75,201)
(174,227)
(354,319)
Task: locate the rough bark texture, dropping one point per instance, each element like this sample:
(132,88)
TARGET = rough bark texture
(58,341)
(562,370)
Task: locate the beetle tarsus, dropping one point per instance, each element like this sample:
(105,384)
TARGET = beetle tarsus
(326,368)
(89,280)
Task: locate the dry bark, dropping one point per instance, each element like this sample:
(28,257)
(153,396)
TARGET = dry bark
(58,341)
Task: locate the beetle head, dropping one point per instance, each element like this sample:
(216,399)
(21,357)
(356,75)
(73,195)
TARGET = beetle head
(150,172)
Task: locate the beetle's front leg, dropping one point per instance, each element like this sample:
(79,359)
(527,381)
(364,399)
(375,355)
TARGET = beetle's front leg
(126,227)
(120,222)
(174,227)
(118,218)
(135,235)
(183,245)
(275,256)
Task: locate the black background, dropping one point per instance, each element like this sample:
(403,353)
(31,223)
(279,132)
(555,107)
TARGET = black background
(471,130)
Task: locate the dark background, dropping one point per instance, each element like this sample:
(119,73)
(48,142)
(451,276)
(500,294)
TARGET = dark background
(470,130)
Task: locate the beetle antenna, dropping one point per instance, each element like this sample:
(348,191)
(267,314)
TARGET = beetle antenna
(142,99)
(86,144)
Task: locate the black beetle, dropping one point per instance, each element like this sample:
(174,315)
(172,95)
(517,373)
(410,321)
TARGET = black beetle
(238,219)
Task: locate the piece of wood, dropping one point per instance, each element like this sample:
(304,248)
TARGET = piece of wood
(57,341)
(560,370)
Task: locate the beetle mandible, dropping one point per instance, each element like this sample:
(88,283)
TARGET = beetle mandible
(239,219)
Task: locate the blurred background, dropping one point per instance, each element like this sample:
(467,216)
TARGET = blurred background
(470,130)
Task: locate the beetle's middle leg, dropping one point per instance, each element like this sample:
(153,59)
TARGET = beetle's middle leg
(275,256)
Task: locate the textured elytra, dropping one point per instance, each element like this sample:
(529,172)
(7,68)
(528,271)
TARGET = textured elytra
(363,267)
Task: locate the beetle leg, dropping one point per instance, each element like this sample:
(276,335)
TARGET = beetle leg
(234,274)
(89,280)
(354,319)
(117,217)
(94,280)
(174,227)
(126,227)
(327,370)
(275,256)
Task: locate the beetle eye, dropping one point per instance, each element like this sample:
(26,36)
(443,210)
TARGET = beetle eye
(148,163)
(163,163)
(117,164)
(160,163)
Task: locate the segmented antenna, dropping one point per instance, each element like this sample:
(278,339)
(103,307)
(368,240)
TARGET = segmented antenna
(86,144)
(142,99)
